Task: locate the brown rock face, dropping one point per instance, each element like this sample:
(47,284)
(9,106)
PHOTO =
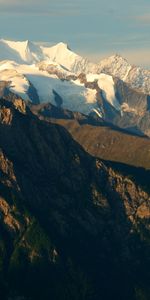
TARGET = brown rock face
(5,116)
(20,105)
(143,210)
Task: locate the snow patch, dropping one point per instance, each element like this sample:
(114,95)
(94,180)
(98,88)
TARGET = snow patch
(18,83)
(75,96)
(106,84)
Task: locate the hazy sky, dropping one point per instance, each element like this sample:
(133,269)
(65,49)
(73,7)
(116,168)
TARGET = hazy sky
(95,28)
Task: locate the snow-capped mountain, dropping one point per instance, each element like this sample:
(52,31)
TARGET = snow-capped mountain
(27,52)
(58,75)
(30,53)
(75,96)
(136,77)
(20,52)
(73,62)
(115,65)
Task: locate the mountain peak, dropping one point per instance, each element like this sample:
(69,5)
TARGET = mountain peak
(114,57)
(119,57)
(62,45)
(27,42)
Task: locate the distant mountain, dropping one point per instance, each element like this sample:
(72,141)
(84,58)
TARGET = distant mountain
(136,77)
(115,65)
(20,52)
(112,89)
(72,226)
(30,53)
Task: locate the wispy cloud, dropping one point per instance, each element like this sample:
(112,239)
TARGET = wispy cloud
(6,2)
(145,18)
(37,8)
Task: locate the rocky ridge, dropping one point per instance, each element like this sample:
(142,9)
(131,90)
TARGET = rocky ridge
(59,239)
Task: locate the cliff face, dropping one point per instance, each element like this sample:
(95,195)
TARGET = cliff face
(72,226)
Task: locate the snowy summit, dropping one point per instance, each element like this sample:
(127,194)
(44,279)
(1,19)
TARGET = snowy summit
(30,66)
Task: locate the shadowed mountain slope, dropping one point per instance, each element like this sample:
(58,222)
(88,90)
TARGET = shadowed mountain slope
(72,226)
(98,137)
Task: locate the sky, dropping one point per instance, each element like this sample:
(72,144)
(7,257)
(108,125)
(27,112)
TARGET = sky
(93,28)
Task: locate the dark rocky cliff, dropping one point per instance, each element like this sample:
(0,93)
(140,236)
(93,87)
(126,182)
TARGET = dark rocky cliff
(72,226)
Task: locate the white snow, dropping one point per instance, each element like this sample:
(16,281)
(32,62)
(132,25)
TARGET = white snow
(92,77)
(75,96)
(21,62)
(114,65)
(106,84)
(29,53)
(117,66)
(21,52)
(90,95)
(53,67)
(61,54)
(18,83)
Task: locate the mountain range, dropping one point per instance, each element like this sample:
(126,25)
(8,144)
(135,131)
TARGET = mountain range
(112,89)
(74,176)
